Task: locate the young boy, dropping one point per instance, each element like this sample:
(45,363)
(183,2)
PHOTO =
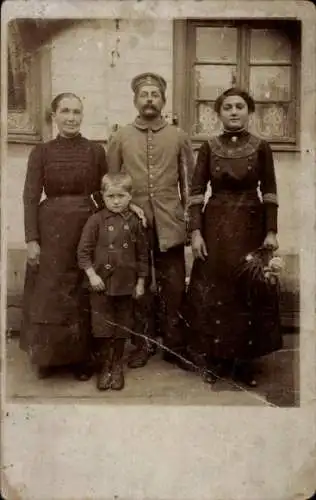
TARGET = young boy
(114,255)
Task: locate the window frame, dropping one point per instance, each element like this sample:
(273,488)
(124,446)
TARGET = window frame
(24,125)
(33,124)
(185,56)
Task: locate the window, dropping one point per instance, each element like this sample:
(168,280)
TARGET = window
(23,87)
(260,57)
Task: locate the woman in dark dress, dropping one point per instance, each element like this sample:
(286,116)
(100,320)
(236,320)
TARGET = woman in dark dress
(239,217)
(68,169)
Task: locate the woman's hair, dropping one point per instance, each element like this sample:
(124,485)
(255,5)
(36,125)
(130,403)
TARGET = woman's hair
(55,102)
(121,179)
(233,91)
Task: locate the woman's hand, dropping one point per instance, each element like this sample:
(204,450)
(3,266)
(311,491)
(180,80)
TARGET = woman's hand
(33,253)
(271,241)
(140,288)
(198,245)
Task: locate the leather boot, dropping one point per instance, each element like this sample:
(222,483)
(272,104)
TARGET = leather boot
(117,380)
(43,372)
(139,357)
(104,377)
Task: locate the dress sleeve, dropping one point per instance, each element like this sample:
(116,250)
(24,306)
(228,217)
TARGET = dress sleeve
(33,188)
(200,179)
(87,243)
(268,186)
(185,168)
(114,153)
(142,258)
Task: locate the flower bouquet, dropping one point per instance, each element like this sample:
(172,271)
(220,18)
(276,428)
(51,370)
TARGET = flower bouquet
(257,276)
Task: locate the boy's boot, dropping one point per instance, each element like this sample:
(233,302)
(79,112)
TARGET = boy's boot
(104,375)
(117,379)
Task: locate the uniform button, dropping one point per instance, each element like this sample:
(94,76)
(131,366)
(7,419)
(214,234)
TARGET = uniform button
(151,176)
(217,169)
(126,227)
(151,195)
(217,322)
(111,246)
(150,157)
(250,342)
(216,341)
(110,228)
(150,166)
(107,266)
(219,303)
(249,322)
(125,245)
(150,146)
(249,168)
(150,185)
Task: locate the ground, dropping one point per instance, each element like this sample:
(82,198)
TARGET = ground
(161,383)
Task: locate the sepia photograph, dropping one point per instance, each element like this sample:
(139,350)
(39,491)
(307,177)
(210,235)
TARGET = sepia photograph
(199,302)
(155,213)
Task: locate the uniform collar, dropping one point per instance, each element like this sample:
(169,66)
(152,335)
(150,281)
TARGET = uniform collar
(155,125)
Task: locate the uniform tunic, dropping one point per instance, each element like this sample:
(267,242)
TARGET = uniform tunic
(55,326)
(160,160)
(235,222)
(114,244)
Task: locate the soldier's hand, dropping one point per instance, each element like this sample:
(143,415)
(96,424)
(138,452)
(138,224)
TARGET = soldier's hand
(199,249)
(140,213)
(33,253)
(96,283)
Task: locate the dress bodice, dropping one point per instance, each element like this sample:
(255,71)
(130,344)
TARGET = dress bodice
(234,162)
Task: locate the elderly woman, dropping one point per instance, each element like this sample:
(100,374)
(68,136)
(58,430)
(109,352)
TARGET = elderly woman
(239,217)
(68,169)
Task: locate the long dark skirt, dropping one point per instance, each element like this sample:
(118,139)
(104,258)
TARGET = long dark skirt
(56,319)
(221,324)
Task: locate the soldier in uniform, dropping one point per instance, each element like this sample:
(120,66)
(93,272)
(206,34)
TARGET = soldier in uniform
(160,160)
(112,252)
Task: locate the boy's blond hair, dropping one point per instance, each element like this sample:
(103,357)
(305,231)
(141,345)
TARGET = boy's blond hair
(122,179)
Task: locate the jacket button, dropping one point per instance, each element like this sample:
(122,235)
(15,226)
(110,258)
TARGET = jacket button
(107,266)
(110,228)
(111,246)
(125,245)
(150,157)
(126,227)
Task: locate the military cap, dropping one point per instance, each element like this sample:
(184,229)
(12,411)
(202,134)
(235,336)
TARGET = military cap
(149,79)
